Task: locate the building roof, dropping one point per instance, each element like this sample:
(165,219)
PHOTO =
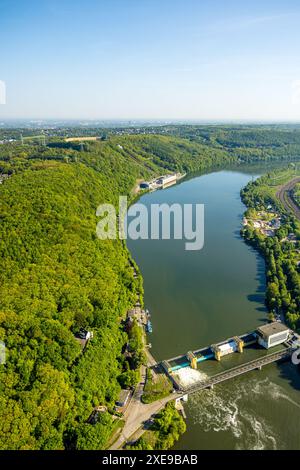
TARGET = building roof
(226,346)
(272,328)
(123,397)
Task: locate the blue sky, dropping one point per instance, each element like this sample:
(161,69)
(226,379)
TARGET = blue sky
(151,59)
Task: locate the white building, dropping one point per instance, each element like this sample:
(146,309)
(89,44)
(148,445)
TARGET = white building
(167,179)
(272,334)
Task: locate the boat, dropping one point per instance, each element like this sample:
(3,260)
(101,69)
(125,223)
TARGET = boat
(149,327)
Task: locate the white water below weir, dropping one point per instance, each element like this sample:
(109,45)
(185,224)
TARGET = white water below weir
(188,376)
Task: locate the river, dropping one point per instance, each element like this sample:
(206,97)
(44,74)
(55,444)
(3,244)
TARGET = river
(197,298)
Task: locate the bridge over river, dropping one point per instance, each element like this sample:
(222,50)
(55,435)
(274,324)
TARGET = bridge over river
(229,358)
(247,355)
(239,370)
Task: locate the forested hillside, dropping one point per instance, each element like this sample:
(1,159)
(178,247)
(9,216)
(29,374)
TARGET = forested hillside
(248,143)
(281,251)
(57,277)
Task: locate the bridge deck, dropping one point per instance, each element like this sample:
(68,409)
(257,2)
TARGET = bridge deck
(205,353)
(242,369)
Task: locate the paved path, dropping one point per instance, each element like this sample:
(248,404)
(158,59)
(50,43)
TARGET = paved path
(151,362)
(137,413)
(284,194)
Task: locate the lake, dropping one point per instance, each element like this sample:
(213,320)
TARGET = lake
(197,298)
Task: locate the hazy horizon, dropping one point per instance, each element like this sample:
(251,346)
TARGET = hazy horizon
(123,122)
(127,60)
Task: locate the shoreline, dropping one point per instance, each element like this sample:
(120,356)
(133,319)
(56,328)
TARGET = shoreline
(137,193)
(220,169)
(253,235)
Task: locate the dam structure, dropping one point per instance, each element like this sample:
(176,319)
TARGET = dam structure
(232,357)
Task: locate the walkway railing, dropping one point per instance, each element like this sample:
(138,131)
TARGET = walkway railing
(238,370)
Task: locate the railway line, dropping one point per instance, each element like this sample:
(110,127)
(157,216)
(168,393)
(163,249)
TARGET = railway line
(285,196)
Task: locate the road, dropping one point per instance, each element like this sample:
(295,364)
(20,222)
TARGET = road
(284,195)
(137,413)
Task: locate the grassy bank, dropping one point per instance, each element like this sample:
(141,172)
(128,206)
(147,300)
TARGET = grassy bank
(166,429)
(157,386)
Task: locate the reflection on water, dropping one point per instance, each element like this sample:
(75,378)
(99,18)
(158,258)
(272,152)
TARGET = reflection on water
(200,298)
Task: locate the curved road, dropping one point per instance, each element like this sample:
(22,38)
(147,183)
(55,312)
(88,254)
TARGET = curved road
(138,413)
(285,196)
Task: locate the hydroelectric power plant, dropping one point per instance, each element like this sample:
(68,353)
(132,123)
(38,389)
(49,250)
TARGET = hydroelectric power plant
(268,343)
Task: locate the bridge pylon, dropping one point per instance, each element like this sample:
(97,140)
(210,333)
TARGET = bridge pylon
(240,344)
(192,358)
(217,351)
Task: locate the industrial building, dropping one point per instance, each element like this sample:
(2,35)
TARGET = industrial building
(182,370)
(167,179)
(272,334)
(163,181)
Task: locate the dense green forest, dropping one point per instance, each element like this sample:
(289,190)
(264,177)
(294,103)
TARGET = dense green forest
(57,277)
(281,252)
(247,143)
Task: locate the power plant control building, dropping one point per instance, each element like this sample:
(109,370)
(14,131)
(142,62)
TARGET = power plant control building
(272,334)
